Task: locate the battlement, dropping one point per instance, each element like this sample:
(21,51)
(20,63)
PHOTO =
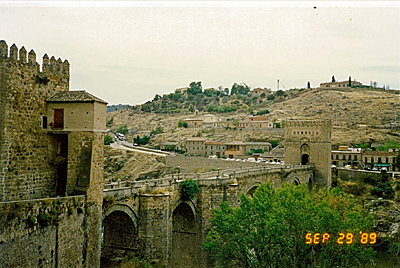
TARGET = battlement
(308,123)
(49,66)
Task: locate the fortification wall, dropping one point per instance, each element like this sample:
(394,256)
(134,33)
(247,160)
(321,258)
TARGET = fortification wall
(356,175)
(205,163)
(27,170)
(43,232)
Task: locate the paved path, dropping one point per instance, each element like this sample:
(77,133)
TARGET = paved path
(129,146)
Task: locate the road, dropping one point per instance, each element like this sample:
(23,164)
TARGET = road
(123,145)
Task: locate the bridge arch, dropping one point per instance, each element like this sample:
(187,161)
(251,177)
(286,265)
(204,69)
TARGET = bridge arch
(251,189)
(184,235)
(189,203)
(120,231)
(296,181)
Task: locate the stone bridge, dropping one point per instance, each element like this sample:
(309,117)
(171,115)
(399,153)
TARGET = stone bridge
(150,219)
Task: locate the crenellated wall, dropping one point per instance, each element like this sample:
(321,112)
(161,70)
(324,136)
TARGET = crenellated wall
(27,170)
(41,164)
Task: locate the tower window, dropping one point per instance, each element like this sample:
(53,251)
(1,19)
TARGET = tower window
(44,122)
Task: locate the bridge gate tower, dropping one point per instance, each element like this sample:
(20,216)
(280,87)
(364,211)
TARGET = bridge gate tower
(309,142)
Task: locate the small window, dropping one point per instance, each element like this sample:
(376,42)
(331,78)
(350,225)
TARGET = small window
(58,119)
(44,122)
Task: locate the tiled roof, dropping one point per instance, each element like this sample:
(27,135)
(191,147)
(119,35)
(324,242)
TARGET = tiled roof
(74,96)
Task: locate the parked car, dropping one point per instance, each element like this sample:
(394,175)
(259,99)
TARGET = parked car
(120,137)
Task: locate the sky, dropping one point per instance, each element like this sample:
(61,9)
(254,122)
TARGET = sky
(128,51)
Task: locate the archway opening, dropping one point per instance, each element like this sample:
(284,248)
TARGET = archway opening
(252,191)
(296,182)
(305,159)
(184,242)
(119,237)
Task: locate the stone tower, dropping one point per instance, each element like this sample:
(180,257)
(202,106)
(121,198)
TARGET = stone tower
(309,142)
(51,148)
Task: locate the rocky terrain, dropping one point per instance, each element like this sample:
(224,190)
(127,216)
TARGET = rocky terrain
(128,165)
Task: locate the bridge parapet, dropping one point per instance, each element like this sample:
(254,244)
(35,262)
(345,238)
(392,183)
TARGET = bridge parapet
(123,189)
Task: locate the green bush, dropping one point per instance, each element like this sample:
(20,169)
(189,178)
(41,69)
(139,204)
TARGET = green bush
(384,189)
(189,189)
(108,140)
(45,220)
(122,129)
(31,221)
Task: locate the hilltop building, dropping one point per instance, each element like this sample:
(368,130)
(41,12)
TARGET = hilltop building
(258,91)
(341,84)
(51,164)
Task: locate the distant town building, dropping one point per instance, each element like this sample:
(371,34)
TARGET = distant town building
(194,122)
(181,90)
(358,158)
(235,148)
(258,91)
(215,148)
(340,84)
(257,146)
(195,146)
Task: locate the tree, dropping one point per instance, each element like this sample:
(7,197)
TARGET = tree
(333,79)
(141,141)
(241,89)
(185,124)
(308,85)
(270,97)
(122,129)
(280,93)
(189,189)
(156,97)
(270,230)
(180,123)
(194,88)
(349,84)
(274,143)
(110,122)
(108,139)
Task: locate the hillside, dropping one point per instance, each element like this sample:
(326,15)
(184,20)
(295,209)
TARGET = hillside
(358,115)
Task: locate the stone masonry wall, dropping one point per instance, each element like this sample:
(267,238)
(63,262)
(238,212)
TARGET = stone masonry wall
(312,138)
(42,232)
(26,170)
(95,201)
(205,163)
(156,203)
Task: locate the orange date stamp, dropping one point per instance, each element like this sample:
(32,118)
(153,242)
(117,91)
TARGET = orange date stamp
(343,238)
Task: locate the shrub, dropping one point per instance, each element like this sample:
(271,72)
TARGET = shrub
(31,221)
(108,140)
(189,189)
(122,129)
(45,220)
(384,189)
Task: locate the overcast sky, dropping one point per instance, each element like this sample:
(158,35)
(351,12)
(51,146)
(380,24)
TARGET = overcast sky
(128,51)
